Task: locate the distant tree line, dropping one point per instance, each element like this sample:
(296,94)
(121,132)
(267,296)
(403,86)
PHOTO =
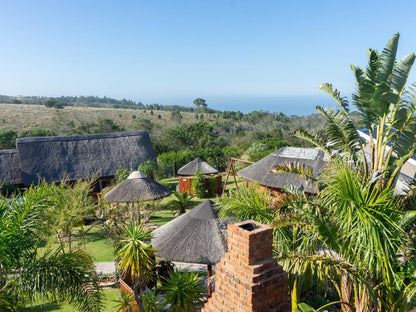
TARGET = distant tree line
(94,101)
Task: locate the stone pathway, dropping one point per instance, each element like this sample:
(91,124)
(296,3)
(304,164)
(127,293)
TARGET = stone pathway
(110,267)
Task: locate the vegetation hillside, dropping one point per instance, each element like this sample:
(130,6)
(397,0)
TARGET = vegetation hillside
(213,135)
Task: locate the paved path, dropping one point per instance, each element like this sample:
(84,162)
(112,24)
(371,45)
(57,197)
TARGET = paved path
(110,267)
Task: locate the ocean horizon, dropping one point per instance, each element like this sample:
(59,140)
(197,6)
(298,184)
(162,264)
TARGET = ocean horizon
(288,105)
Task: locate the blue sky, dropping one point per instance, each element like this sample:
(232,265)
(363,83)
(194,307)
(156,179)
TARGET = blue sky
(170,52)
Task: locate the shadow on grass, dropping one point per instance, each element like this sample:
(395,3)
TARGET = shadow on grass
(43,308)
(91,237)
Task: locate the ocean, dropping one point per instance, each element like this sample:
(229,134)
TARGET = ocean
(288,105)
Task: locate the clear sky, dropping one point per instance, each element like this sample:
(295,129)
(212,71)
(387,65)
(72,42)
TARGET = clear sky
(172,51)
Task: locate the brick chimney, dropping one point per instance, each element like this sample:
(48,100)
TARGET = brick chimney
(248,278)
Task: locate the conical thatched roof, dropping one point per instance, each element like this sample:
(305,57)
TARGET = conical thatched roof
(261,171)
(197,165)
(136,188)
(196,236)
(82,156)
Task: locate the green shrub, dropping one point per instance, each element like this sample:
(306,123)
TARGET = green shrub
(198,185)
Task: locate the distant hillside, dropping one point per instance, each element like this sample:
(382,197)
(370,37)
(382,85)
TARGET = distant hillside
(177,137)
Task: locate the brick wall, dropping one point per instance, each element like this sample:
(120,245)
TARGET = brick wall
(248,278)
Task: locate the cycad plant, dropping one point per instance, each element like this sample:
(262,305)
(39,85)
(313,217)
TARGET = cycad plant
(181,202)
(183,291)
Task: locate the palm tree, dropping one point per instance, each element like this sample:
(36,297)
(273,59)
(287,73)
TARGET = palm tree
(181,202)
(25,276)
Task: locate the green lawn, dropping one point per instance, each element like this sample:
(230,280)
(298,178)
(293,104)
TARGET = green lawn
(110,295)
(95,242)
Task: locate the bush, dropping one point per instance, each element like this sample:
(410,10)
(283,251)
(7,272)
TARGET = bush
(198,185)
(148,167)
(9,190)
(122,174)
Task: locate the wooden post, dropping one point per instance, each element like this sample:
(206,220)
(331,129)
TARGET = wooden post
(228,174)
(209,275)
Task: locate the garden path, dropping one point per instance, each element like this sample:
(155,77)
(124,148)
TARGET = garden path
(110,267)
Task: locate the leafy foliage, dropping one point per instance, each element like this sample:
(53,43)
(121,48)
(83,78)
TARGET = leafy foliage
(198,185)
(24,276)
(149,168)
(122,174)
(135,254)
(183,290)
(181,202)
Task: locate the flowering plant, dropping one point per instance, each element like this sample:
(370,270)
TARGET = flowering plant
(164,265)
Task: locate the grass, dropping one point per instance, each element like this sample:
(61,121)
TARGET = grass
(110,296)
(95,243)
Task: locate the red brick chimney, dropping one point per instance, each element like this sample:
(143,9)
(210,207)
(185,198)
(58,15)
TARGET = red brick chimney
(248,278)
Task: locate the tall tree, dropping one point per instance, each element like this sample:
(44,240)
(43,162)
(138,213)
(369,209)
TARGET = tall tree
(200,102)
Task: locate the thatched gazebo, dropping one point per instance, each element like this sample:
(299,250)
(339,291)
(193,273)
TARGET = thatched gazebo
(186,172)
(136,188)
(195,237)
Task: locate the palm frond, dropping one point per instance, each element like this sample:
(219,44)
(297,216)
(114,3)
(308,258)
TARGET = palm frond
(388,59)
(67,276)
(296,168)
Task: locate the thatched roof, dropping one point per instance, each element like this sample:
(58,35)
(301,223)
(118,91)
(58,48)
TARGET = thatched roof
(10,172)
(82,156)
(261,171)
(196,236)
(137,187)
(197,165)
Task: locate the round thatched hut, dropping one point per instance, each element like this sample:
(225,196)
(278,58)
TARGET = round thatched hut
(187,172)
(195,237)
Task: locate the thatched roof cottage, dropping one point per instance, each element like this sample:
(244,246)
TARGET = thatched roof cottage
(10,172)
(261,171)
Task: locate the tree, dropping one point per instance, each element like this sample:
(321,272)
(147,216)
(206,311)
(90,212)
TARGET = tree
(386,109)
(52,102)
(200,102)
(8,139)
(198,185)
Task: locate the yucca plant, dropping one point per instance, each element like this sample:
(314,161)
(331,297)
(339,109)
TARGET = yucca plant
(125,303)
(135,255)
